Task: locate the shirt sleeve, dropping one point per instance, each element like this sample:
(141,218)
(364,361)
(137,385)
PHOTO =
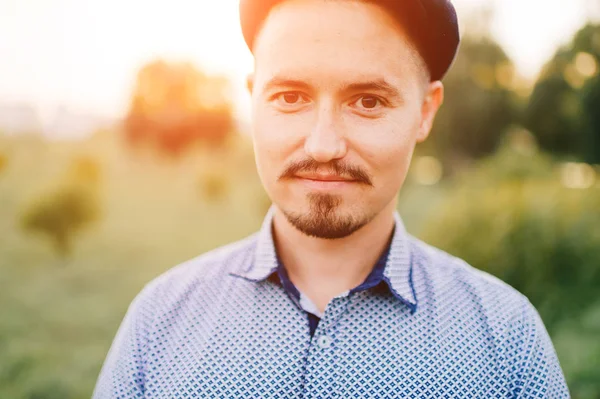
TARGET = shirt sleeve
(538,368)
(123,373)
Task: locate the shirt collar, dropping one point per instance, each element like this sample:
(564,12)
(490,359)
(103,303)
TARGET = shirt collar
(397,273)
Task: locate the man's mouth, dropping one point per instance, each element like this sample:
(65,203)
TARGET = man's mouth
(324,177)
(325,182)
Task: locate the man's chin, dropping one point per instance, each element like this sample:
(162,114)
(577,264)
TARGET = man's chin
(330,226)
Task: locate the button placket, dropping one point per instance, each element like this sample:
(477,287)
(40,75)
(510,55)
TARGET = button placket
(322,373)
(333,314)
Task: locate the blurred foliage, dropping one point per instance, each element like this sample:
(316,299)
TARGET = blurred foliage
(590,104)
(484,95)
(513,217)
(61,213)
(3,161)
(213,186)
(175,105)
(563,108)
(479,104)
(516,159)
(58,322)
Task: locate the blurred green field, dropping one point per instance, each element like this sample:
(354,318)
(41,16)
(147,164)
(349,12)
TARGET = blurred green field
(59,315)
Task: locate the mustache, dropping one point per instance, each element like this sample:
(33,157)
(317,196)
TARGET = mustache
(336,167)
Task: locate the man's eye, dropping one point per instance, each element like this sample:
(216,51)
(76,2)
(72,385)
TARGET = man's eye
(290,98)
(368,102)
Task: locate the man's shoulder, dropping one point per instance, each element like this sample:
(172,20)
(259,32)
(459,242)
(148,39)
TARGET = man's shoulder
(477,310)
(454,277)
(208,270)
(455,290)
(214,263)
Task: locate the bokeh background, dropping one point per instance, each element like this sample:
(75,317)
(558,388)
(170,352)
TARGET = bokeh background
(124,150)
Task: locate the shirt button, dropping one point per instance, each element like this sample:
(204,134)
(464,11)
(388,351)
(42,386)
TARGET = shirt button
(324,341)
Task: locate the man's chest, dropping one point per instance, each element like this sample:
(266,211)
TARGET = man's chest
(358,350)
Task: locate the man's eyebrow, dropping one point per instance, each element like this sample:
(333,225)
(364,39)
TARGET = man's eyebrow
(378,85)
(278,81)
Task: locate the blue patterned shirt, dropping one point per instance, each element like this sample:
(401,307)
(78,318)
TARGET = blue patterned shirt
(374,279)
(218,327)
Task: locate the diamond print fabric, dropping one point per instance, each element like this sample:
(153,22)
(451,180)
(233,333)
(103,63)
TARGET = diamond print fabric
(216,327)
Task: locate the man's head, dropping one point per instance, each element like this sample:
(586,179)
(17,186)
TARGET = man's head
(340,97)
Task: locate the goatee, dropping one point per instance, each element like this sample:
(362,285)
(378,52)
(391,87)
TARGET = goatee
(324,219)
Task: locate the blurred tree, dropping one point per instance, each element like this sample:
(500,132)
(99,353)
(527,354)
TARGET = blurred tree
(175,105)
(516,159)
(563,108)
(479,102)
(63,212)
(590,104)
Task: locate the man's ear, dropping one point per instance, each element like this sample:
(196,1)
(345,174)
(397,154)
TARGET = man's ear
(433,99)
(250,82)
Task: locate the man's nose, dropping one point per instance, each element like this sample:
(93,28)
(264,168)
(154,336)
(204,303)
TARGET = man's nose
(326,142)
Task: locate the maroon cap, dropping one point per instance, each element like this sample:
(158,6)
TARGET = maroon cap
(431,24)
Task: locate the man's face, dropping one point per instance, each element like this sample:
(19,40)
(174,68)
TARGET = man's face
(339,101)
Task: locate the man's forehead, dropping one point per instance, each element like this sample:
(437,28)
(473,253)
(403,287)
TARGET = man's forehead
(319,19)
(302,41)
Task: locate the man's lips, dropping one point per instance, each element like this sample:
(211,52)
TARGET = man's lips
(325,178)
(325,182)
(335,172)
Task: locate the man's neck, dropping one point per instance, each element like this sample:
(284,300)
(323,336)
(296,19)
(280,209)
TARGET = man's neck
(323,269)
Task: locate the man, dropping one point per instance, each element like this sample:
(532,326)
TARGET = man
(332,298)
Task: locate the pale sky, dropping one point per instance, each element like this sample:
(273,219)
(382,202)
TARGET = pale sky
(84,54)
